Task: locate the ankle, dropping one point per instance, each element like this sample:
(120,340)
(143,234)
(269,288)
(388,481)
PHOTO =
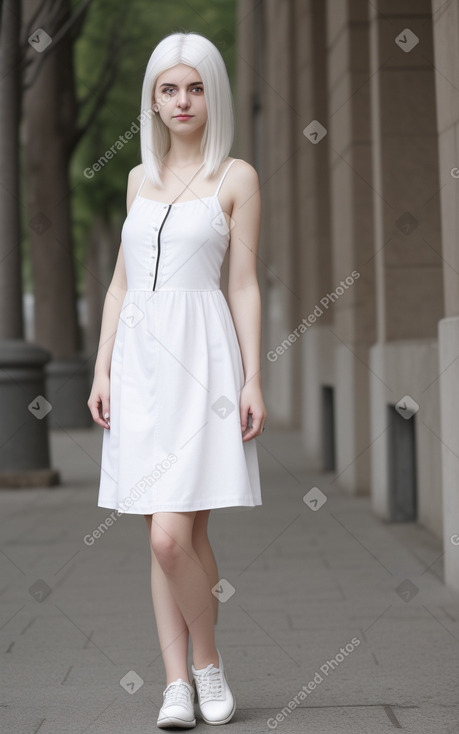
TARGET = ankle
(205,662)
(173,680)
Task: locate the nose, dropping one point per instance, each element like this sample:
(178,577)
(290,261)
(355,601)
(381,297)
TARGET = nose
(182,101)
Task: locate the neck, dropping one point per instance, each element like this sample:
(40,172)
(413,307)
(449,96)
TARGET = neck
(184,152)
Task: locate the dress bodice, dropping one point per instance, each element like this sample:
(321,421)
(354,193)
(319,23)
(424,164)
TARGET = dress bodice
(178,246)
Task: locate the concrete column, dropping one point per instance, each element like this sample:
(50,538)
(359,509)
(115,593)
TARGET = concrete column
(246,72)
(249,146)
(277,80)
(445,18)
(407,247)
(313,222)
(353,304)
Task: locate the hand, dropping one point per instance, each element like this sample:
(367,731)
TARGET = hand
(99,400)
(252,402)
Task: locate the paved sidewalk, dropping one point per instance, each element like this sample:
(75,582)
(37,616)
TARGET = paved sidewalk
(77,619)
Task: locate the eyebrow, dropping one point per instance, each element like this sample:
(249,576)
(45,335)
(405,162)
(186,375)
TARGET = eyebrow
(168,84)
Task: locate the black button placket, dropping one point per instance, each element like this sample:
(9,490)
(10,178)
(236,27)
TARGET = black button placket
(159,245)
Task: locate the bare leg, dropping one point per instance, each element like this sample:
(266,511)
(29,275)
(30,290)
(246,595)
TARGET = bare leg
(171,539)
(204,550)
(173,632)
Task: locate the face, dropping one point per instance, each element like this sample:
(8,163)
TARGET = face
(179,95)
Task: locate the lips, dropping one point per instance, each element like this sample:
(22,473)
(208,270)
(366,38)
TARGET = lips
(183,117)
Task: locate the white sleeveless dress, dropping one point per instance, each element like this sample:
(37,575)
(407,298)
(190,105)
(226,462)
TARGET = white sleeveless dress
(175,440)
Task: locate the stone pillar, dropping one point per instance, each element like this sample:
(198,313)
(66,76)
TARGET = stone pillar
(312,209)
(407,248)
(445,19)
(277,82)
(246,69)
(248,145)
(351,194)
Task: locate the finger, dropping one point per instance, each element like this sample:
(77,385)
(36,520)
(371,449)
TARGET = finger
(95,414)
(255,428)
(105,409)
(244,418)
(95,410)
(248,436)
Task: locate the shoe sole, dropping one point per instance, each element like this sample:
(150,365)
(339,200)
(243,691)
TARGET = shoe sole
(176,723)
(221,721)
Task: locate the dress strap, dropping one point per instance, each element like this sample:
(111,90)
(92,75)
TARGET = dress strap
(226,170)
(143,181)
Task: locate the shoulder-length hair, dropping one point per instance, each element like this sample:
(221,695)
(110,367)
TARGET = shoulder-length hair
(199,53)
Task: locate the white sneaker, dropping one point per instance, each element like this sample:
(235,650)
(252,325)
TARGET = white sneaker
(178,706)
(216,701)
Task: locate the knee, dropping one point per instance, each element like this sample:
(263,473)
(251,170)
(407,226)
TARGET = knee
(167,552)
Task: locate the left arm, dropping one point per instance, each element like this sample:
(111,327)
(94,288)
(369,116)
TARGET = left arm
(244,295)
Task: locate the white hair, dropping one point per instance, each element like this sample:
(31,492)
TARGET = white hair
(199,53)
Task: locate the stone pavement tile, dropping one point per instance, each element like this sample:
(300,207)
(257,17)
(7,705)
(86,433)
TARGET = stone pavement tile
(430,717)
(350,719)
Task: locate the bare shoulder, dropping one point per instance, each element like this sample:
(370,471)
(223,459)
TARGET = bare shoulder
(136,175)
(244,179)
(244,173)
(245,184)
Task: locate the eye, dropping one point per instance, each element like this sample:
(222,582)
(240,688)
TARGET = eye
(199,88)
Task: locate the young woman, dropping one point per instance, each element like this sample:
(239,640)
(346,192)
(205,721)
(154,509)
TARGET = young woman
(177,376)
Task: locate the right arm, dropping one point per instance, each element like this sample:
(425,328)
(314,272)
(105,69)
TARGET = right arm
(99,399)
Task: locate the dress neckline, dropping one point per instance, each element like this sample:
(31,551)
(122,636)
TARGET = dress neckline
(178,203)
(197,198)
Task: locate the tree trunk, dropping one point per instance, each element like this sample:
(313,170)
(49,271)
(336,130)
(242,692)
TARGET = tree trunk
(50,121)
(11,311)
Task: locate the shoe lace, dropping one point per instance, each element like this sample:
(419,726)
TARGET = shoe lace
(176,692)
(209,683)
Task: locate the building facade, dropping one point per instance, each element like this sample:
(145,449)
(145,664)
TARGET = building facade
(349,111)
